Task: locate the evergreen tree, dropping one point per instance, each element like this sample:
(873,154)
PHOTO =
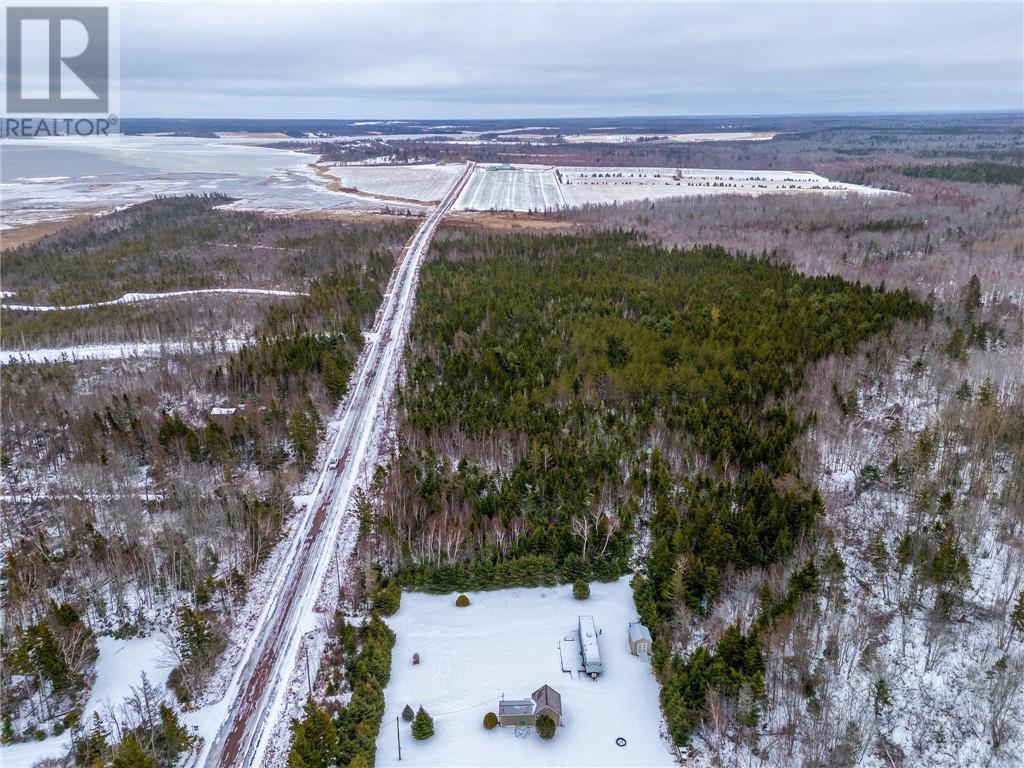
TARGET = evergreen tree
(972,297)
(545,727)
(195,636)
(881,696)
(130,754)
(315,742)
(1017,615)
(388,599)
(408,714)
(302,432)
(986,392)
(172,738)
(422,726)
(335,380)
(580,589)
(93,745)
(963,392)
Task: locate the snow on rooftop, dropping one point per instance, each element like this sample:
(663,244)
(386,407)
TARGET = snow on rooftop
(507,642)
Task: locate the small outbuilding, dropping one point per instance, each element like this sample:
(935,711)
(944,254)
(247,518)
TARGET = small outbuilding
(544,701)
(516,712)
(547,701)
(639,639)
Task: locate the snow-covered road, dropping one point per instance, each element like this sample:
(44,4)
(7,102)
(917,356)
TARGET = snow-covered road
(255,698)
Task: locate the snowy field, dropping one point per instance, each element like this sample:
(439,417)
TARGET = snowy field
(543,188)
(588,186)
(125,351)
(521,188)
(507,642)
(412,182)
(685,138)
(119,668)
(135,298)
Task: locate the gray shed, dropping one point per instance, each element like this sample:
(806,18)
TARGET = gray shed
(516,712)
(639,639)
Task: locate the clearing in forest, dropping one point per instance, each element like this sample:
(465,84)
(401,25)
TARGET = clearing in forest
(507,642)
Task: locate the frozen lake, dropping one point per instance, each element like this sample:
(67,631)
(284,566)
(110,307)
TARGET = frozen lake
(51,178)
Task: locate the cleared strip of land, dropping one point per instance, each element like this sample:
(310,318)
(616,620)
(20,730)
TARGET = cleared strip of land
(134,298)
(115,351)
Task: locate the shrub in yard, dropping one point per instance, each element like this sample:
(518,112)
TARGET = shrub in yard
(462,601)
(545,727)
(490,721)
(388,599)
(422,726)
(407,714)
(580,589)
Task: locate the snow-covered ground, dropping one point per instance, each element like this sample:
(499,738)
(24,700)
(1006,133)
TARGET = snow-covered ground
(597,185)
(684,138)
(116,351)
(134,298)
(119,668)
(545,188)
(520,188)
(414,182)
(507,643)
(950,682)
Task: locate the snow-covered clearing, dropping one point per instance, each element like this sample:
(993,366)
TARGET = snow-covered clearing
(543,188)
(684,138)
(134,298)
(117,351)
(519,188)
(119,668)
(507,643)
(414,182)
(589,186)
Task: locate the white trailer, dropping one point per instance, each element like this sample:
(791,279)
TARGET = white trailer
(590,653)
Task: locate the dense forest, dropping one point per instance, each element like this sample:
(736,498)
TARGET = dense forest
(979,172)
(550,376)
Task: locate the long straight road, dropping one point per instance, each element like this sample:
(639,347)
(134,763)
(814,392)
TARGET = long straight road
(258,689)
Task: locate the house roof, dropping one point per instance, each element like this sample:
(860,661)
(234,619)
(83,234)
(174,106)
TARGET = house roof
(638,631)
(546,696)
(512,707)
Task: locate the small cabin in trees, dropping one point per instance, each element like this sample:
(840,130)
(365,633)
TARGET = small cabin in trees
(544,701)
(639,639)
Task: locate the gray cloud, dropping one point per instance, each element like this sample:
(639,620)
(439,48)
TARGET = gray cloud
(429,60)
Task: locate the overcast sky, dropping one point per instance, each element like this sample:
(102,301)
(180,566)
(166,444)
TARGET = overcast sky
(463,60)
